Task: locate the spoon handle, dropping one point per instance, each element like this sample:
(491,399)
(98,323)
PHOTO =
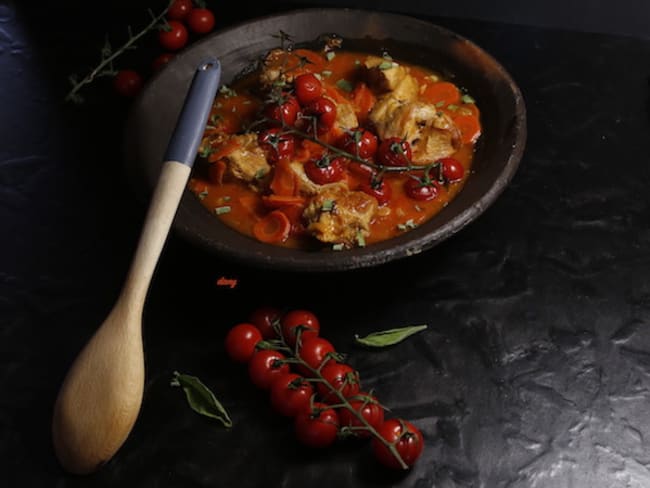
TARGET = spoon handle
(101,395)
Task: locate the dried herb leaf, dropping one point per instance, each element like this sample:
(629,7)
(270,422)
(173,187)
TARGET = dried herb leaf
(200,398)
(388,337)
(344,85)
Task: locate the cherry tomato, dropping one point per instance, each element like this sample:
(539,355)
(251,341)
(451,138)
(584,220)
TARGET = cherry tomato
(381,190)
(324,110)
(318,427)
(127,83)
(313,351)
(308,88)
(174,37)
(200,20)
(179,9)
(394,151)
(296,320)
(452,170)
(265,366)
(360,142)
(341,377)
(420,190)
(290,394)
(408,441)
(370,410)
(324,170)
(276,145)
(161,61)
(263,318)
(241,341)
(285,111)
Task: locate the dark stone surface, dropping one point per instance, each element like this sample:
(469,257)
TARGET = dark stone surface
(535,370)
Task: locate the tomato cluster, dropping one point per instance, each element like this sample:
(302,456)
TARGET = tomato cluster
(183,19)
(308,381)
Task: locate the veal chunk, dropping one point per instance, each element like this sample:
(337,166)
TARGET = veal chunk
(390,78)
(338,215)
(431,133)
(247,161)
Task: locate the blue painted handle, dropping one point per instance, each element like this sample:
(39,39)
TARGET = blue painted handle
(190,126)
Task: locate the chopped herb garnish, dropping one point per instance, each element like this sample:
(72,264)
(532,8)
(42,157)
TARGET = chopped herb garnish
(234,109)
(222,210)
(203,194)
(344,85)
(326,72)
(418,208)
(452,107)
(361,240)
(218,105)
(328,205)
(337,247)
(385,65)
(318,76)
(409,224)
(247,102)
(205,151)
(467,99)
(357,62)
(214,118)
(387,56)
(260,174)
(440,104)
(225,199)
(227,92)
(330,55)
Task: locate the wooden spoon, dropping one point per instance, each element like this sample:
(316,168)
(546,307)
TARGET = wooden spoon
(101,395)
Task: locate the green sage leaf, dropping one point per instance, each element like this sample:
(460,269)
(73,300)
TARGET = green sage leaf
(388,337)
(200,398)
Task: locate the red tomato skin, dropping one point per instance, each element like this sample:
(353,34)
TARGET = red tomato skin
(365,147)
(175,38)
(372,412)
(341,377)
(263,318)
(290,394)
(299,318)
(452,170)
(317,429)
(389,153)
(308,88)
(264,367)
(321,175)
(284,113)
(241,341)
(382,191)
(408,442)
(313,351)
(200,20)
(179,9)
(325,112)
(128,83)
(416,190)
(284,144)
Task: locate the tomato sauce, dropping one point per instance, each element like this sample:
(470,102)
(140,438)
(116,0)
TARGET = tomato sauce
(238,106)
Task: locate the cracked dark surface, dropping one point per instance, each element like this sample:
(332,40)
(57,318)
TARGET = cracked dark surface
(535,370)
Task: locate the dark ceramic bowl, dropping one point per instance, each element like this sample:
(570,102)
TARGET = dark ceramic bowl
(497,156)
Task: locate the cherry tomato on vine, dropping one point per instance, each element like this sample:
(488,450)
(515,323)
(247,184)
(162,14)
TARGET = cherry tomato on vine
(452,170)
(179,9)
(308,88)
(408,441)
(421,190)
(161,61)
(241,341)
(276,145)
(341,377)
(296,320)
(381,190)
(324,170)
(313,351)
(290,394)
(265,366)
(263,318)
(200,20)
(174,36)
(360,142)
(127,83)
(394,151)
(324,110)
(370,410)
(285,111)
(318,427)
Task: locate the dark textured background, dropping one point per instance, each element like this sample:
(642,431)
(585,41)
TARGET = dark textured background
(535,370)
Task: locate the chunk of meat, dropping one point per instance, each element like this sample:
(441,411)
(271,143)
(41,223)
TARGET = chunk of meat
(247,161)
(431,133)
(338,215)
(383,75)
(346,117)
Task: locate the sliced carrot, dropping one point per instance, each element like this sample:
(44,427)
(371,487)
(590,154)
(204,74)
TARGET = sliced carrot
(443,93)
(224,150)
(273,228)
(284,179)
(216,171)
(294,214)
(334,94)
(469,127)
(277,201)
(251,204)
(363,100)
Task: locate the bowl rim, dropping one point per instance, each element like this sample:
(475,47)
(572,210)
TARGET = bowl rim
(396,248)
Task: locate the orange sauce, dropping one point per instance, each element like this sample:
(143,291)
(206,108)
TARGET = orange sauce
(241,207)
